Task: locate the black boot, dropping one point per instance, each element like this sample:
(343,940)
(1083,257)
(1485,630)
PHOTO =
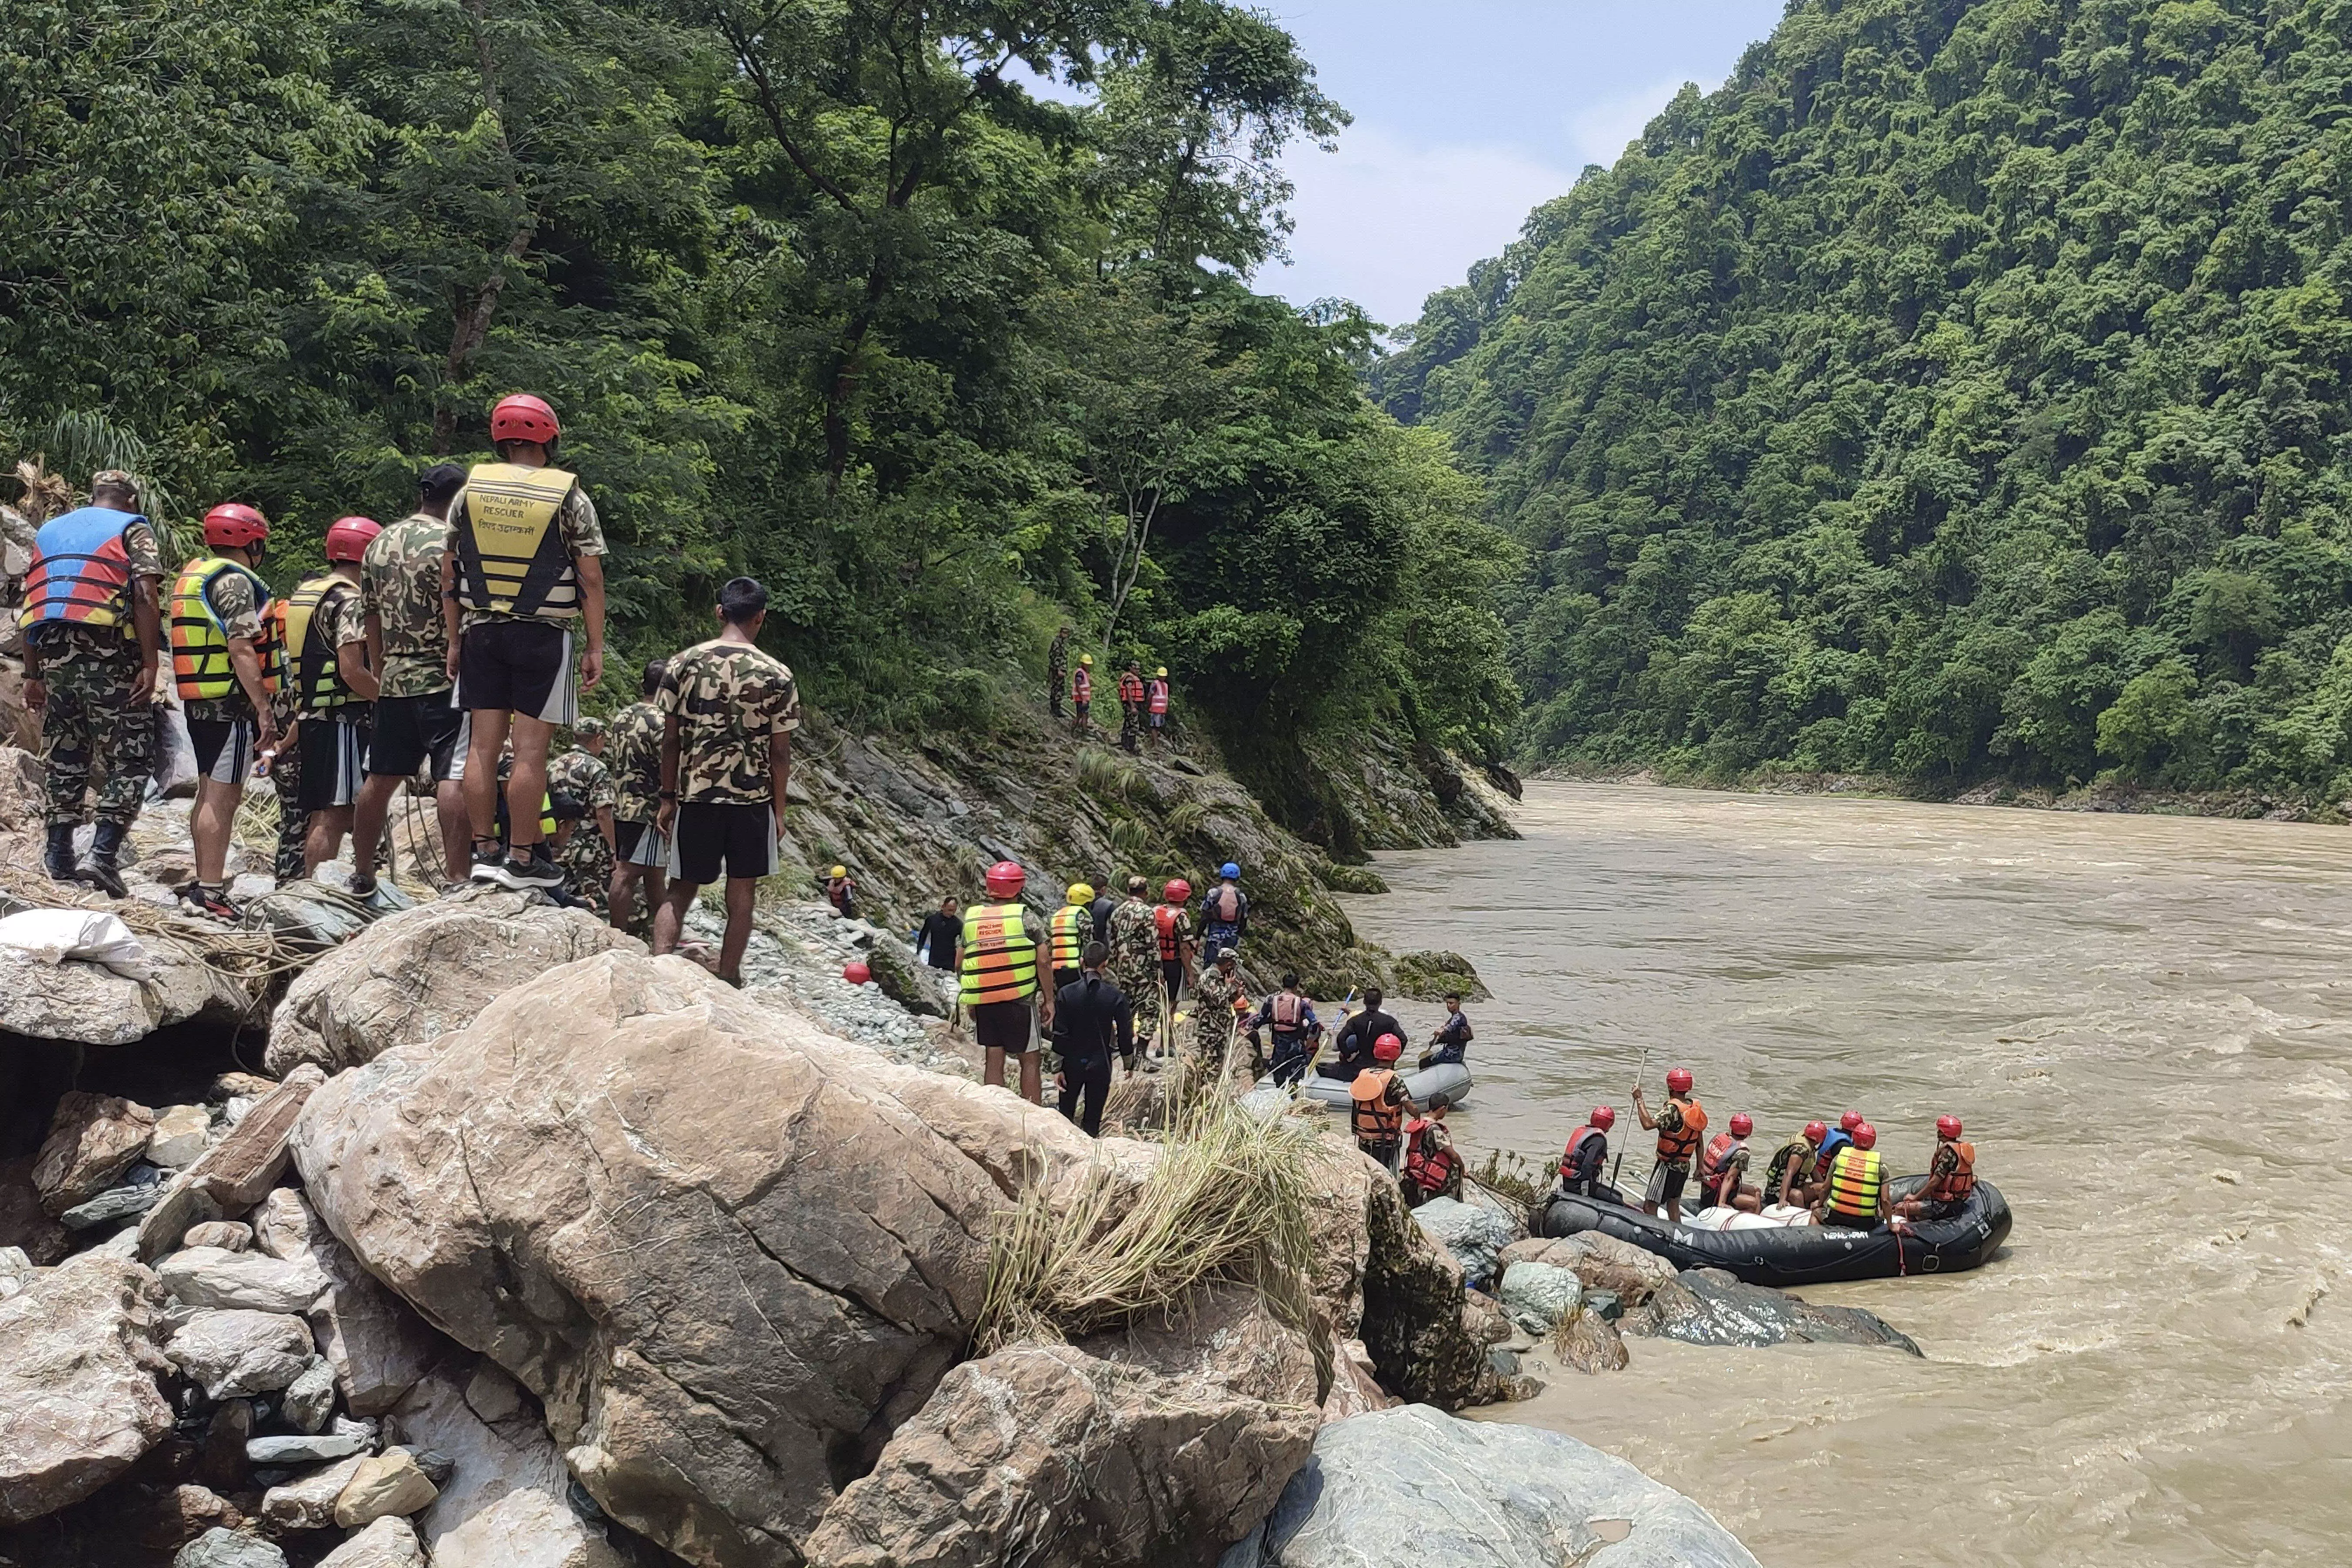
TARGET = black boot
(99,869)
(57,860)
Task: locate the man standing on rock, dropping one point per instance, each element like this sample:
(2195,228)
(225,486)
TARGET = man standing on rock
(941,935)
(727,716)
(93,641)
(1218,1003)
(417,719)
(1000,988)
(525,567)
(1057,669)
(326,663)
(221,661)
(1131,709)
(1091,1019)
(1135,963)
(580,787)
(1225,913)
(632,749)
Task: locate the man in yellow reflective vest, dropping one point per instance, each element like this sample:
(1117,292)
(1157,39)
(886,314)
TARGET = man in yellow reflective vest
(524,568)
(1074,928)
(1000,981)
(1854,1197)
(221,660)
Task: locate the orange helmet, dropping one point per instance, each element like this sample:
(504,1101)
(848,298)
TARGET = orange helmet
(235,525)
(348,539)
(1850,1121)
(523,418)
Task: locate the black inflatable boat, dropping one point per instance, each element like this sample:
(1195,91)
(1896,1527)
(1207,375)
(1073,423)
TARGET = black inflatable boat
(1804,1255)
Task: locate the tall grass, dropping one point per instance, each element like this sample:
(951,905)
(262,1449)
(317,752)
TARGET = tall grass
(1227,1202)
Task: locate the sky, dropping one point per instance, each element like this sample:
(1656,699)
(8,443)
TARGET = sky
(1469,114)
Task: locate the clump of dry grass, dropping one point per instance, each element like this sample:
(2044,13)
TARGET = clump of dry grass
(1517,1179)
(1227,1202)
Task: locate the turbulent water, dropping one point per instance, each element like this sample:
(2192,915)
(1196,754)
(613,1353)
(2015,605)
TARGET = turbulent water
(2147,1024)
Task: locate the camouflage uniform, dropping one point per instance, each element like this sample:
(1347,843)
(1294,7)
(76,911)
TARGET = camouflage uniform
(291,861)
(1134,965)
(586,859)
(729,699)
(399,585)
(632,751)
(90,720)
(1057,671)
(1213,997)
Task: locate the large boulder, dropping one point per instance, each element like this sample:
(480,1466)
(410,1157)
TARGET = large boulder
(1411,1486)
(729,1260)
(374,1341)
(1474,1233)
(1708,1306)
(1602,1262)
(79,1401)
(507,1502)
(426,972)
(230,1355)
(1131,1452)
(93,1138)
(211,1277)
(1378,1278)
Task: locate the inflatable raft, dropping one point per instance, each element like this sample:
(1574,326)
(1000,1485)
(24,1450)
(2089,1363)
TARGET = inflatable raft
(1804,1255)
(1449,1078)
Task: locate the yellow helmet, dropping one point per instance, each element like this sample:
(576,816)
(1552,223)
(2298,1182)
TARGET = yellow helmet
(838,872)
(1087,659)
(1162,673)
(1080,893)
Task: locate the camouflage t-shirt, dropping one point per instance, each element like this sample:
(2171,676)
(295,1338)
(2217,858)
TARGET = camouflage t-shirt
(399,585)
(232,598)
(582,535)
(633,751)
(64,642)
(729,699)
(338,623)
(585,780)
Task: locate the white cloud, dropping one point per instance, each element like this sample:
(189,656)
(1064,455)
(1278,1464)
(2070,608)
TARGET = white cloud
(1385,223)
(1599,132)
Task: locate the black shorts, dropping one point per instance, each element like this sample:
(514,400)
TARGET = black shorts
(331,753)
(1171,976)
(1666,1184)
(224,748)
(639,844)
(518,667)
(710,838)
(409,730)
(1002,1025)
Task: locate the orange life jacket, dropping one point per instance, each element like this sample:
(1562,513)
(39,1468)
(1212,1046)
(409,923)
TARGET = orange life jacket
(1165,918)
(1377,1120)
(1957,1187)
(1430,1168)
(1576,1141)
(1131,688)
(1159,697)
(1082,687)
(81,570)
(1676,1147)
(1711,1166)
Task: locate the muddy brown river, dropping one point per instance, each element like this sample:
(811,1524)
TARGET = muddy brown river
(2147,1024)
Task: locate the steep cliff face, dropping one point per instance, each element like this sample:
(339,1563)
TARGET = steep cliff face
(917,820)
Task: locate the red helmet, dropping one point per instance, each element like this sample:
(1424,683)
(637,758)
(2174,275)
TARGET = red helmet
(1177,890)
(1865,1136)
(1678,1081)
(1387,1048)
(1006,879)
(1741,1126)
(1947,1127)
(523,418)
(1850,1121)
(1603,1116)
(1815,1131)
(348,539)
(235,525)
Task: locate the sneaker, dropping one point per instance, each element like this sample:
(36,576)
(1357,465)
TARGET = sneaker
(211,902)
(538,871)
(362,888)
(489,862)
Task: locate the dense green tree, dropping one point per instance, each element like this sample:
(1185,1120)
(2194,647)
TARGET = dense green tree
(1959,391)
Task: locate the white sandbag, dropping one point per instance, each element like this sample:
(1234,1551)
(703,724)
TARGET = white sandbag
(175,754)
(54,936)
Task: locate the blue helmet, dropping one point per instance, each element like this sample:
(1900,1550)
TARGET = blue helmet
(1230,872)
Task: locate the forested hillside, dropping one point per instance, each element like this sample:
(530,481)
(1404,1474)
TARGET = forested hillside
(823,292)
(1959,392)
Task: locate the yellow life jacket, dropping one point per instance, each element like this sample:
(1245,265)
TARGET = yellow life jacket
(310,658)
(1072,924)
(1000,956)
(1855,1177)
(200,661)
(511,557)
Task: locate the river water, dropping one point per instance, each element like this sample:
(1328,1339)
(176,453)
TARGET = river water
(2147,1024)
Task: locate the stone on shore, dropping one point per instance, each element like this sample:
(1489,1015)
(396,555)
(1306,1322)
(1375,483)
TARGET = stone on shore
(375,1342)
(93,1139)
(218,1548)
(181,1133)
(387,1544)
(307,1501)
(414,977)
(78,1401)
(1631,1273)
(1538,1295)
(233,1174)
(140,1191)
(211,1277)
(1413,1487)
(385,1485)
(304,1448)
(1380,1279)
(237,1352)
(309,1401)
(506,1502)
(1473,1233)
(227,1234)
(1708,1306)
(729,1260)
